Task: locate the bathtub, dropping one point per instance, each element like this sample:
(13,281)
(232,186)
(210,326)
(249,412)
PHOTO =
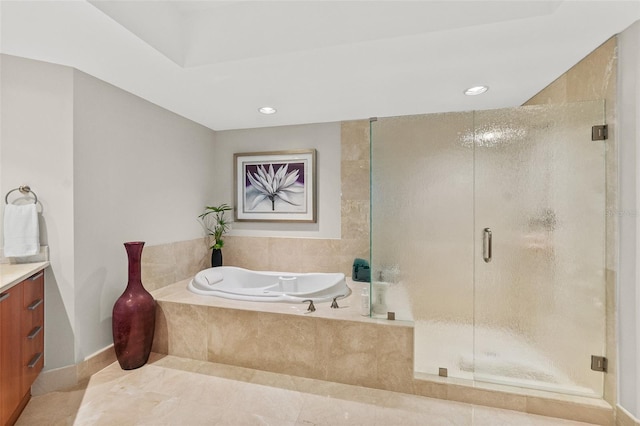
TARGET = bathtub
(242,284)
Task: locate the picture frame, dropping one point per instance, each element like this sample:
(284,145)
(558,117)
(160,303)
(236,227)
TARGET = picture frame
(276,186)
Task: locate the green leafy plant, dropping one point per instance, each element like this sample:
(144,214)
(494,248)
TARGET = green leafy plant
(220,224)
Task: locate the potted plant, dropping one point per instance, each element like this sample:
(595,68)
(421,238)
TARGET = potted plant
(219,227)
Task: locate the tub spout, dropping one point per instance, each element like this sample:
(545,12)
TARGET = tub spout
(334,304)
(311,307)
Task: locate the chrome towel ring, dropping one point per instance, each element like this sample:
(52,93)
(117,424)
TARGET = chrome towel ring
(23,189)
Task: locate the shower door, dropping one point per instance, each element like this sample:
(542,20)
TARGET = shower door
(539,224)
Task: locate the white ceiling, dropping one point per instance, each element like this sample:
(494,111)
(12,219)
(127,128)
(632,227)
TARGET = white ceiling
(217,62)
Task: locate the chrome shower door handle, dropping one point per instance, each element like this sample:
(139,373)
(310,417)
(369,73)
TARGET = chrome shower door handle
(486,245)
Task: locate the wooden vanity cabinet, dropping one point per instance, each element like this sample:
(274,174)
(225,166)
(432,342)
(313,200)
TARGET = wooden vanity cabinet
(10,353)
(21,344)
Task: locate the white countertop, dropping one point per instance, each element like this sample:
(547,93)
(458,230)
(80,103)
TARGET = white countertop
(14,273)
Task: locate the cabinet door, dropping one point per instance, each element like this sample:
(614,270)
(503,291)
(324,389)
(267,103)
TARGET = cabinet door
(32,330)
(10,352)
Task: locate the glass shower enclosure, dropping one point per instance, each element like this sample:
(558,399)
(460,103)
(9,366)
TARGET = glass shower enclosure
(488,232)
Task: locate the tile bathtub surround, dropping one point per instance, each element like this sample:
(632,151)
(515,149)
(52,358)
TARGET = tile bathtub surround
(177,391)
(331,344)
(166,264)
(293,254)
(339,346)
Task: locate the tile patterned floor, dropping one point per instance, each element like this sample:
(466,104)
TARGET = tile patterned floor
(177,391)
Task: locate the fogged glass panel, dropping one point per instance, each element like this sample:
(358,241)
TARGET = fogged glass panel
(422,233)
(539,299)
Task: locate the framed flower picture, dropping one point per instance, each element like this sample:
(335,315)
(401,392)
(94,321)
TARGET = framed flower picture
(275,186)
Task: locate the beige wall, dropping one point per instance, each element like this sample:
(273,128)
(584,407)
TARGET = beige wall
(37,149)
(594,78)
(141,173)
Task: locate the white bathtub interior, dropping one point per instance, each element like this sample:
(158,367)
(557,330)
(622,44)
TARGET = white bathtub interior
(268,286)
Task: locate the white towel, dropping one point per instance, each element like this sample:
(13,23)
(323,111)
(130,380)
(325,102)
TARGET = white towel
(21,234)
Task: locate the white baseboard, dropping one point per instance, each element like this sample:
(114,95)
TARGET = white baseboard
(53,380)
(625,418)
(69,376)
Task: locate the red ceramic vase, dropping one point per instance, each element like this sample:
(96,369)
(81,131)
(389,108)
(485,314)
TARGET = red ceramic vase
(134,316)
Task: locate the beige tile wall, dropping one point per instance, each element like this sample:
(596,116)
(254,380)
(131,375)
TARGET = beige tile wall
(594,78)
(169,263)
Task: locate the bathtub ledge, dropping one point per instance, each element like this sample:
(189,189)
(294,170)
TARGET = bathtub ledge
(349,307)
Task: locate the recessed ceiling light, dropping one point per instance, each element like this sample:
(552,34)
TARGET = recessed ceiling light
(268,110)
(476,90)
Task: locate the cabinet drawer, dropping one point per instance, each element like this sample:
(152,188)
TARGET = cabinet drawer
(32,329)
(33,344)
(33,303)
(34,291)
(32,357)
